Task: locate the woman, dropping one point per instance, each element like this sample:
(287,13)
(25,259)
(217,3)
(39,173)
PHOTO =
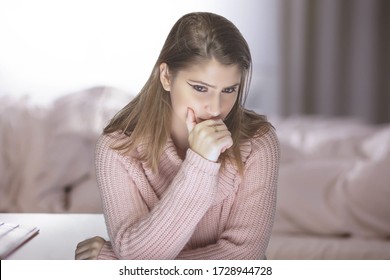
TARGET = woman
(184,171)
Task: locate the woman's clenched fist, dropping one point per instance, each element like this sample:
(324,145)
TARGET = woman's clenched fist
(208,138)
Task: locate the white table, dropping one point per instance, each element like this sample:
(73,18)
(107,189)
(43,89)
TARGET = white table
(58,234)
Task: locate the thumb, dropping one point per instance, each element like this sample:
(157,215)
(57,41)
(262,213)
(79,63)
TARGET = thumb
(190,120)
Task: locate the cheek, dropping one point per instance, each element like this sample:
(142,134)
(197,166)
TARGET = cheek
(228,104)
(181,99)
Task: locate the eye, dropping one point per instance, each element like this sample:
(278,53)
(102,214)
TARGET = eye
(229,90)
(199,88)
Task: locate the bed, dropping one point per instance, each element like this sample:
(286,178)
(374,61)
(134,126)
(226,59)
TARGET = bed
(333,190)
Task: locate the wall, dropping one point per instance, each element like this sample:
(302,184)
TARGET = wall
(49,48)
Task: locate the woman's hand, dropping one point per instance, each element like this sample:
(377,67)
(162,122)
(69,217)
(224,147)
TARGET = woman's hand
(209,138)
(89,249)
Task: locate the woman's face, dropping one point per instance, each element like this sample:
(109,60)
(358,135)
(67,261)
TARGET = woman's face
(210,89)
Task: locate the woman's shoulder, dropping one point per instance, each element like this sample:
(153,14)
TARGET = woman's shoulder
(263,140)
(114,141)
(106,140)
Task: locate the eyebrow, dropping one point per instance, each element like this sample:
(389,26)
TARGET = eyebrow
(206,84)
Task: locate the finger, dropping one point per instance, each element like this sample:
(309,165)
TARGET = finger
(87,241)
(225,143)
(221,128)
(212,122)
(86,257)
(81,250)
(218,121)
(93,241)
(222,134)
(87,254)
(81,255)
(83,243)
(190,120)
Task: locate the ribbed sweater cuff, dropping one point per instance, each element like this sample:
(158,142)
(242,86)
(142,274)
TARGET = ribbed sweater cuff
(202,164)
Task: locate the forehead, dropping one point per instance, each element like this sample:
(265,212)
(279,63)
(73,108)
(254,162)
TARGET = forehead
(213,72)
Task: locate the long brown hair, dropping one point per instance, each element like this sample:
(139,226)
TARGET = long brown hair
(195,37)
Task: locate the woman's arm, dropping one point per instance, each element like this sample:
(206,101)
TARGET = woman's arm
(249,225)
(137,232)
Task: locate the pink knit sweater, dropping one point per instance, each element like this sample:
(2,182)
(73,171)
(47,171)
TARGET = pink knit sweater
(191,209)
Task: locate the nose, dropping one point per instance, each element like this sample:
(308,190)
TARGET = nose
(213,106)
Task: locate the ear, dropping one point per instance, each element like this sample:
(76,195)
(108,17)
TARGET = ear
(165,77)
